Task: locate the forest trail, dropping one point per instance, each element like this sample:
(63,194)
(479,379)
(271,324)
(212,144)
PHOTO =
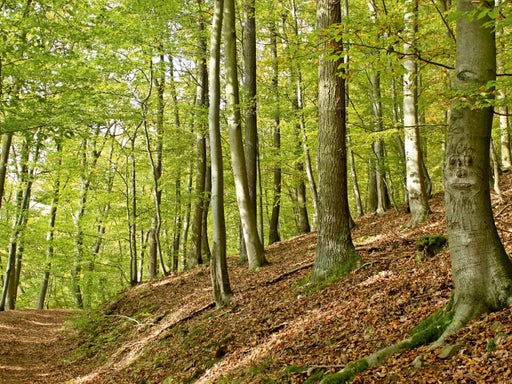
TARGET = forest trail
(29,352)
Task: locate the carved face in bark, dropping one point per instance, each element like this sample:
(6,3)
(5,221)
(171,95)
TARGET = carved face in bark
(461,172)
(463,180)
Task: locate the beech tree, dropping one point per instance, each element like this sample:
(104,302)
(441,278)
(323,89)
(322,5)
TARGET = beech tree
(253,244)
(416,188)
(335,251)
(219,272)
(482,271)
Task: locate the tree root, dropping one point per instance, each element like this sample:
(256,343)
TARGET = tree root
(429,330)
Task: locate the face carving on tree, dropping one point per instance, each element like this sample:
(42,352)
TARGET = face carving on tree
(462,174)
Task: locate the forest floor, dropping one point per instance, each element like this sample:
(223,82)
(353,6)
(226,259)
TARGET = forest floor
(279,328)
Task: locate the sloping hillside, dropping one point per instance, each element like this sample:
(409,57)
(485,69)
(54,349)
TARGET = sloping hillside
(280,330)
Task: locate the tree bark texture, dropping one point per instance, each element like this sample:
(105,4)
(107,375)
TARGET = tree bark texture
(482,272)
(416,189)
(335,250)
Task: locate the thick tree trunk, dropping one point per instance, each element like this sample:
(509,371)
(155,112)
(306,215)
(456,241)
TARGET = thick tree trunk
(255,252)
(335,251)
(416,189)
(482,271)
(218,265)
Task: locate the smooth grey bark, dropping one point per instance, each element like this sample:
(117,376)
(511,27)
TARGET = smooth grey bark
(50,235)
(416,186)
(482,271)
(335,252)
(218,264)
(254,247)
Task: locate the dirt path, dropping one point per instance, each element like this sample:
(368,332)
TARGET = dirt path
(29,351)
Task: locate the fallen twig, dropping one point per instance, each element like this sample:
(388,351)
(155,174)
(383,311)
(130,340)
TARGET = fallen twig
(139,324)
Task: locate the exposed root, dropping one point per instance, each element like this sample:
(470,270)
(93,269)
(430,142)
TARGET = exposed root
(431,329)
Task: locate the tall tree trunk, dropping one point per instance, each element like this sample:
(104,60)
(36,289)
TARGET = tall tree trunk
(255,252)
(351,159)
(87,167)
(205,244)
(11,279)
(4,159)
(482,271)
(335,253)
(301,135)
(250,89)
(50,235)
(506,156)
(378,144)
(196,234)
(355,184)
(155,248)
(186,218)
(416,189)
(273,232)
(178,217)
(131,211)
(218,264)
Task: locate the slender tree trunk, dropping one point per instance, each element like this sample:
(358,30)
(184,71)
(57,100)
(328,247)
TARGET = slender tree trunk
(205,244)
(196,231)
(11,279)
(335,253)
(416,189)
(250,91)
(302,137)
(255,252)
(496,172)
(177,226)
(378,144)
(351,159)
(482,271)
(178,217)
(50,235)
(273,232)
(218,264)
(355,184)
(87,167)
(186,219)
(506,156)
(4,159)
